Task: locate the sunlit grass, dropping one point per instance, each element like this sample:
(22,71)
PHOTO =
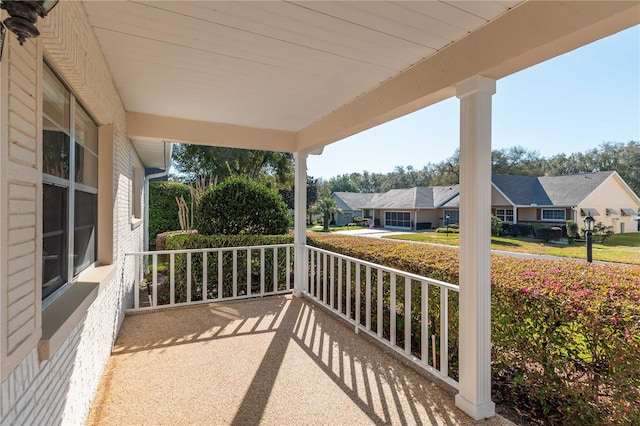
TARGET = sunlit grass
(622,248)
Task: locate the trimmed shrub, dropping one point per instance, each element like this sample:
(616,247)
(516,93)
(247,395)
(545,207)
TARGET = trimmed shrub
(573,230)
(242,206)
(548,233)
(182,241)
(496,226)
(450,230)
(517,229)
(163,209)
(565,334)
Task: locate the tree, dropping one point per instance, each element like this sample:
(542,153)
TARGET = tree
(240,205)
(272,168)
(326,206)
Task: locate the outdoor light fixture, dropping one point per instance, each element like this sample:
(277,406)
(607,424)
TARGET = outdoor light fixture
(588,227)
(23,15)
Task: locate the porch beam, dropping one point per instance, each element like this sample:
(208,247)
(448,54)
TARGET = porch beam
(474,397)
(539,30)
(300,224)
(156,127)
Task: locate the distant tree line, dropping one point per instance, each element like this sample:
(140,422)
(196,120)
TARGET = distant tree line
(622,157)
(275,169)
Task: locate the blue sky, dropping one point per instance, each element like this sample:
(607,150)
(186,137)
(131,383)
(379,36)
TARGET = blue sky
(567,104)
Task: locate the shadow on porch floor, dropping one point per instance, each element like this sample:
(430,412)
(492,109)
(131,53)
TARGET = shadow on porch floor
(277,360)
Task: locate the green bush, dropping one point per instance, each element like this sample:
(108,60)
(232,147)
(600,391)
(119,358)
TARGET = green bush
(180,241)
(450,230)
(242,206)
(496,226)
(565,335)
(548,233)
(573,230)
(163,209)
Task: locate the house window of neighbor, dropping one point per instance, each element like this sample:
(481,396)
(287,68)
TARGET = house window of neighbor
(397,219)
(554,214)
(69,186)
(454,217)
(506,215)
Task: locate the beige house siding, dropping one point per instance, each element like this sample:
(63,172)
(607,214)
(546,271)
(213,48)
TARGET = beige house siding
(432,216)
(60,388)
(20,177)
(612,194)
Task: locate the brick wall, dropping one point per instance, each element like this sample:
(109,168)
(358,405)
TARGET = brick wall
(60,389)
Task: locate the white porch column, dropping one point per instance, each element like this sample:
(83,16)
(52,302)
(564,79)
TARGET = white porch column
(300,223)
(474,397)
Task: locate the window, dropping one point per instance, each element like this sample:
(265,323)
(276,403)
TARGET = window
(454,217)
(506,215)
(397,219)
(554,214)
(69,186)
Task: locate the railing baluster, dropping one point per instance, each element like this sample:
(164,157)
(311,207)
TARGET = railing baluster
(288,250)
(136,281)
(332,290)
(379,311)
(348,283)
(444,331)
(205,272)
(424,326)
(249,272)
(339,285)
(262,271)
(154,288)
(324,279)
(188,277)
(220,271)
(407,315)
(172,278)
(368,298)
(358,285)
(235,273)
(392,310)
(318,275)
(275,269)
(312,272)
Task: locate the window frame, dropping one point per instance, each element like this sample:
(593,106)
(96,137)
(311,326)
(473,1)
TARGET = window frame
(554,219)
(503,214)
(71,186)
(392,219)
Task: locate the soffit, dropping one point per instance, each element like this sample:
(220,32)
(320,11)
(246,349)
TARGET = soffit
(274,65)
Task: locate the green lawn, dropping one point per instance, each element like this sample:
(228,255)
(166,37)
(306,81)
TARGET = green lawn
(623,248)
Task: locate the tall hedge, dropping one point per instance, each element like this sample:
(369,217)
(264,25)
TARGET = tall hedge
(242,206)
(565,334)
(163,209)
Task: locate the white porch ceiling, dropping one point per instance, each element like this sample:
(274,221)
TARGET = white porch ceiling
(275,65)
(316,72)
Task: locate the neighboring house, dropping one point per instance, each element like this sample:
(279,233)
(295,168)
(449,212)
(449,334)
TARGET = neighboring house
(349,203)
(514,199)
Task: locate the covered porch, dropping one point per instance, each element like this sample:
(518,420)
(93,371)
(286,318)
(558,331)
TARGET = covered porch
(274,360)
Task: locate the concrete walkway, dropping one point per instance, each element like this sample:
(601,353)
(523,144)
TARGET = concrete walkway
(272,361)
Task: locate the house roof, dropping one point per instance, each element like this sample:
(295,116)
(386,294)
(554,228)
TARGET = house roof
(419,197)
(353,200)
(565,191)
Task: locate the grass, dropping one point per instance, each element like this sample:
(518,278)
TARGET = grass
(621,248)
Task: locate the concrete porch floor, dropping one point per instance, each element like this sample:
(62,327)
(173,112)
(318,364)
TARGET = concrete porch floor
(273,361)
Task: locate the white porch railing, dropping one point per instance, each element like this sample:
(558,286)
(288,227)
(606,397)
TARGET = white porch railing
(187,277)
(375,298)
(406,312)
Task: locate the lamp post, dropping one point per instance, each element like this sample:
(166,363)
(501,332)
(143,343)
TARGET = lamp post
(588,226)
(446,223)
